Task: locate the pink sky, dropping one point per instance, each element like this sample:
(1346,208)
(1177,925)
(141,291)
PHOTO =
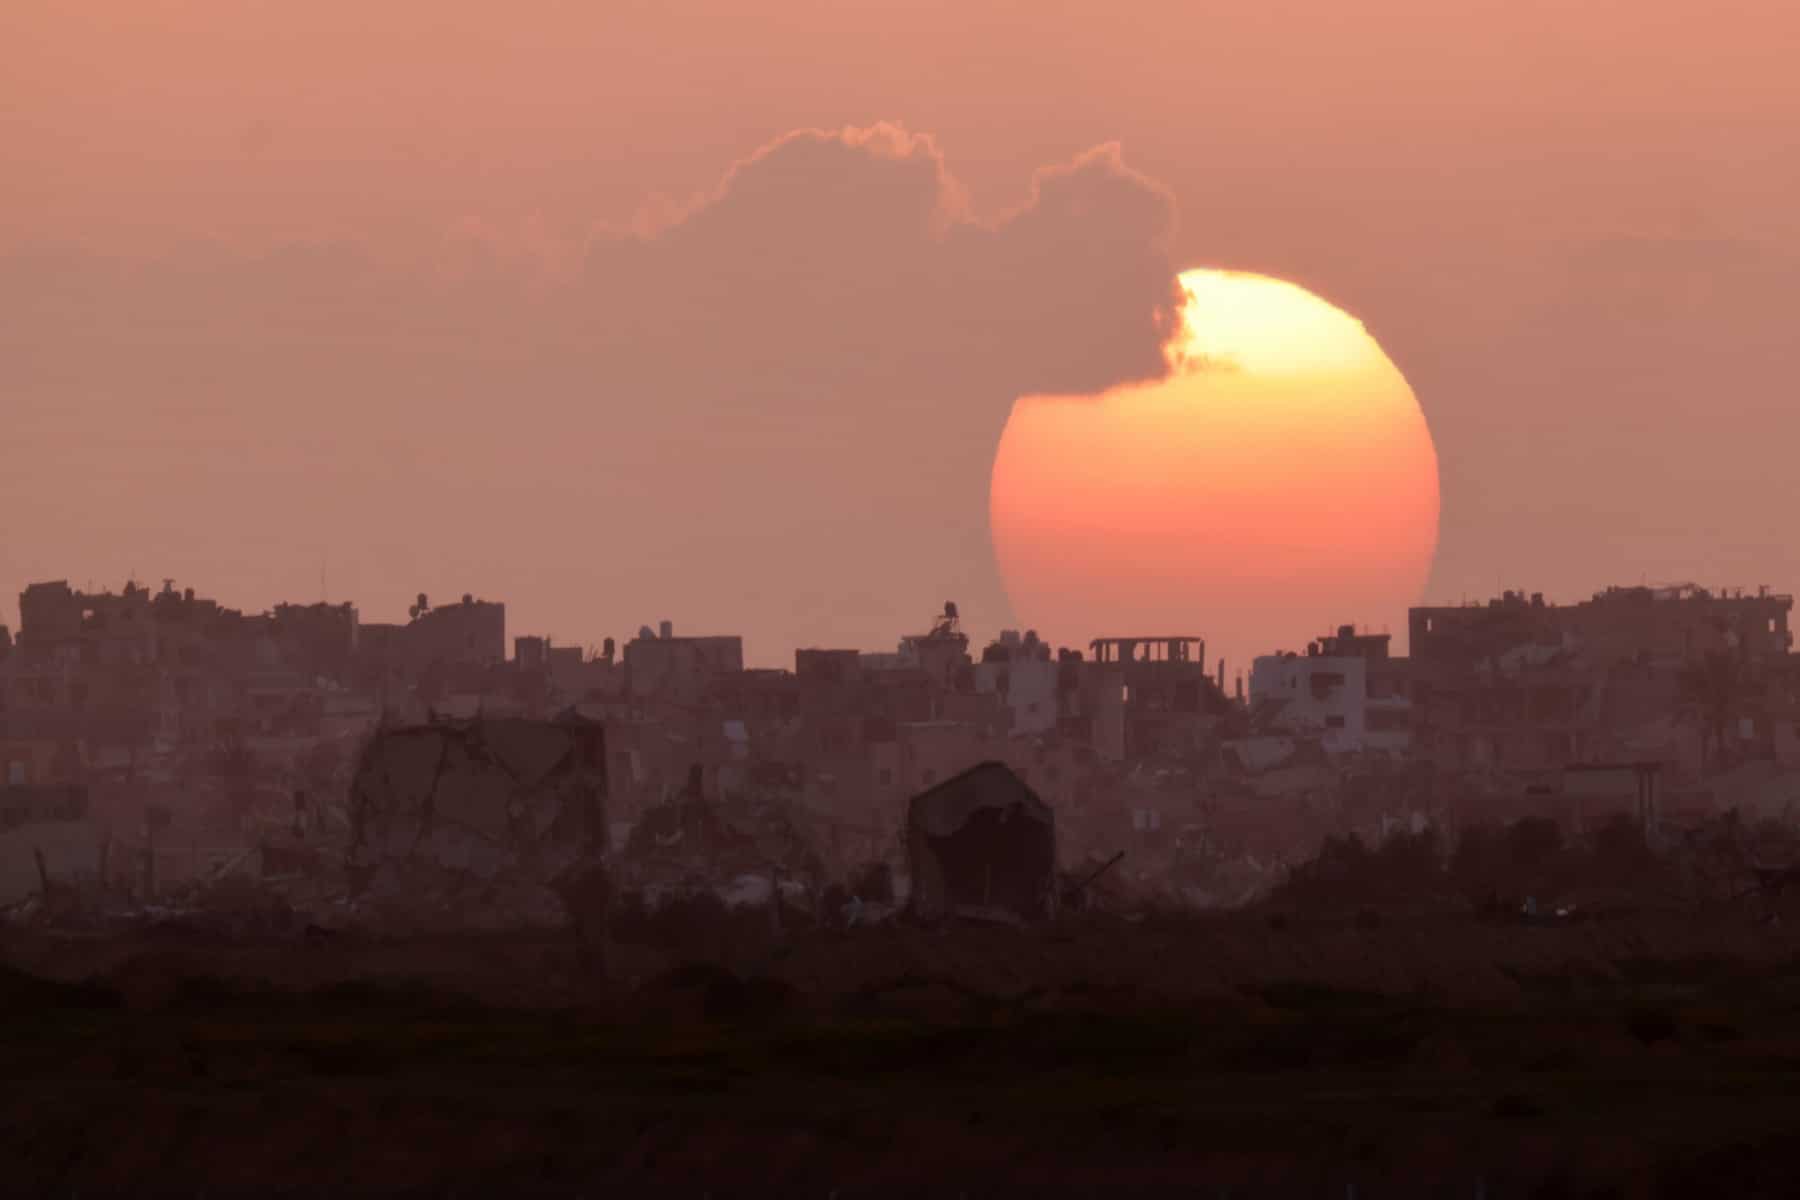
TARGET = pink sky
(1572,226)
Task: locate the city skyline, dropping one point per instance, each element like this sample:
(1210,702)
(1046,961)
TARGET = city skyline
(982,631)
(528,346)
(902,597)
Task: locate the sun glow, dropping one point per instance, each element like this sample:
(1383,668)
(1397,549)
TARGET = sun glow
(1280,481)
(1234,321)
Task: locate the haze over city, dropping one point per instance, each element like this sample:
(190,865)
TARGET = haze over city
(418,299)
(787,598)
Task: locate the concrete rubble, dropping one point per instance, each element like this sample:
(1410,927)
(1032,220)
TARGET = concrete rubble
(476,824)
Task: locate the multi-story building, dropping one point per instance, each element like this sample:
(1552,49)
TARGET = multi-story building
(1346,690)
(678,670)
(1518,682)
(1167,701)
(469,635)
(1020,671)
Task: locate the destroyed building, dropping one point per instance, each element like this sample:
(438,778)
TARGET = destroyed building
(1166,700)
(1520,683)
(982,845)
(480,821)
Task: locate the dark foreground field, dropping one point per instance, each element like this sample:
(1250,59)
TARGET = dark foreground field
(1644,1055)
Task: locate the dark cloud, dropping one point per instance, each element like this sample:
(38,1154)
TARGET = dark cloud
(776,413)
(828,257)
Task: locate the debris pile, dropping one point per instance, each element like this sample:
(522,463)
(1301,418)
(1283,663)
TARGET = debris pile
(692,838)
(477,824)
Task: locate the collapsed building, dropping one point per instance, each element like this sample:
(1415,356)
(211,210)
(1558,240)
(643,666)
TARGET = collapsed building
(982,845)
(482,823)
(694,837)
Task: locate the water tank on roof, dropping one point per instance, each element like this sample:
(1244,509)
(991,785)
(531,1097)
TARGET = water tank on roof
(668,630)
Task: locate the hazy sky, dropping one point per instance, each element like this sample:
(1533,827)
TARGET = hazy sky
(455,297)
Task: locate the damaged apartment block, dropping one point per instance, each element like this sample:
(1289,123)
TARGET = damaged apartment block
(479,824)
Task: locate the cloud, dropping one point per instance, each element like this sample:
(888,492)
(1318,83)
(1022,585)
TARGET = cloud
(827,256)
(773,413)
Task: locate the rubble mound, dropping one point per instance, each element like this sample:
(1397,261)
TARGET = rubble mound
(476,824)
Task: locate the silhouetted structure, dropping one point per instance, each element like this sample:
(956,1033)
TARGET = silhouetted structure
(449,814)
(678,669)
(982,845)
(202,723)
(1521,683)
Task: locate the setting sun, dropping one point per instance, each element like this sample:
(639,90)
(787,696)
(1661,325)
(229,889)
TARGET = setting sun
(1280,481)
